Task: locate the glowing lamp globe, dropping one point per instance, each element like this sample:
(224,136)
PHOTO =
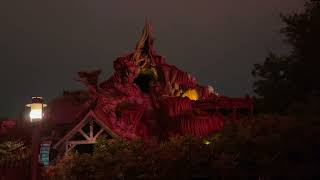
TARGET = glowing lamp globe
(36,109)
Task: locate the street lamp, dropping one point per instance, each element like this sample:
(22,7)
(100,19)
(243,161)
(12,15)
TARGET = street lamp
(36,109)
(36,115)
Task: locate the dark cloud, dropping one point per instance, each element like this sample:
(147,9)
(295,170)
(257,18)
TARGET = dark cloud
(44,43)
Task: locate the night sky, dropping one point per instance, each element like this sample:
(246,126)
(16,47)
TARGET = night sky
(43,44)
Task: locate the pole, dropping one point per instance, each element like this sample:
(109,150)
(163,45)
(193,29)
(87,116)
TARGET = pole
(35,151)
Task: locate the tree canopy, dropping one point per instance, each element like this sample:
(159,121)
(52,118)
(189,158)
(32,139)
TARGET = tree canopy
(282,81)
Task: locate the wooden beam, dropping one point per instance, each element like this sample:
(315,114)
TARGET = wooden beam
(72,132)
(91,128)
(71,146)
(84,134)
(80,125)
(82,142)
(98,133)
(103,125)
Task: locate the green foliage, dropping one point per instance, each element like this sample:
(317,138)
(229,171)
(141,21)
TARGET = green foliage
(292,79)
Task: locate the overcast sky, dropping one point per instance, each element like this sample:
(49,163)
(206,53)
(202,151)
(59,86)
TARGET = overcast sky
(44,43)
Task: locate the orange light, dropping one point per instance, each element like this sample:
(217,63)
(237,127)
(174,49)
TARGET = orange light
(192,94)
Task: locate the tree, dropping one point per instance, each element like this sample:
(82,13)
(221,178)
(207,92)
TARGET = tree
(272,84)
(283,81)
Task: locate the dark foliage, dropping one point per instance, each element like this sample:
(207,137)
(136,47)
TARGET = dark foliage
(292,79)
(265,148)
(272,84)
(13,152)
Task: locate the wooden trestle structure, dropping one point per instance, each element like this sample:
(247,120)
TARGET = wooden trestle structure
(87,131)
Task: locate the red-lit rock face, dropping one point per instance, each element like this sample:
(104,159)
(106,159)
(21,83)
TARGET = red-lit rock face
(143,98)
(146,97)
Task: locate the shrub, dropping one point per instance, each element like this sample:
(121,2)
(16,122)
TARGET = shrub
(267,146)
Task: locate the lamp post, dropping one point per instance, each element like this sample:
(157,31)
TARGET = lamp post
(36,115)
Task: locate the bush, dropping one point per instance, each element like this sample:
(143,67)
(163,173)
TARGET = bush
(267,146)
(12,151)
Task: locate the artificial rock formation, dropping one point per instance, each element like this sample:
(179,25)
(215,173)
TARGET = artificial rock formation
(148,98)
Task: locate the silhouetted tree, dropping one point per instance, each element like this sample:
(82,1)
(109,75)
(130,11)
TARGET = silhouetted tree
(272,84)
(283,81)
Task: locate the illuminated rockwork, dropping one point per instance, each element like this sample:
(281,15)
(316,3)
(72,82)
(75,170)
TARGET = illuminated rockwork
(148,98)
